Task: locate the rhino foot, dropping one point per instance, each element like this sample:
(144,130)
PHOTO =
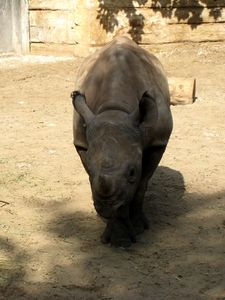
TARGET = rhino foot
(118,233)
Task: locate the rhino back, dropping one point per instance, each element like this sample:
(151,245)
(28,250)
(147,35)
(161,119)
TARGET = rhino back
(116,78)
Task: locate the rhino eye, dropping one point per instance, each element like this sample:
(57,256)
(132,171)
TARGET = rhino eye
(131,174)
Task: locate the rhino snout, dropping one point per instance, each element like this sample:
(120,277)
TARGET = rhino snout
(104,211)
(104,186)
(108,210)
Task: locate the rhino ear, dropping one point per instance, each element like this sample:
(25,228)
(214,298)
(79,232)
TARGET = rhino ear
(148,117)
(148,109)
(135,116)
(80,105)
(147,112)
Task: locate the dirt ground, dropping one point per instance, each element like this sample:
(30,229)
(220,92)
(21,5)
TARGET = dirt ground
(49,230)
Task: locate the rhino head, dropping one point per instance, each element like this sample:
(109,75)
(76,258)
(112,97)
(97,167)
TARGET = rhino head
(113,158)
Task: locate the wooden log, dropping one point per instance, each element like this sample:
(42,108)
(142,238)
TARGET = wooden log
(184,15)
(121,4)
(149,29)
(56,35)
(147,17)
(52,5)
(146,3)
(87,26)
(182,90)
(55,49)
(184,33)
(52,18)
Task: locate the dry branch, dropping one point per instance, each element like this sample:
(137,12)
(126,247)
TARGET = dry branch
(4,203)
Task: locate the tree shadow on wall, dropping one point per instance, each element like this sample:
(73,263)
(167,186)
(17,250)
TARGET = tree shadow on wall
(188,11)
(108,16)
(185,11)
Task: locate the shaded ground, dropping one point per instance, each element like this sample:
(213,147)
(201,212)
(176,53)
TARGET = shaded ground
(49,231)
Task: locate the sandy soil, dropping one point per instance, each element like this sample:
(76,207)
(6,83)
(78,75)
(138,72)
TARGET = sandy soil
(49,231)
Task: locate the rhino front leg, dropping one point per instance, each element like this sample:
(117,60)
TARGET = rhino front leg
(151,159)
(119,230)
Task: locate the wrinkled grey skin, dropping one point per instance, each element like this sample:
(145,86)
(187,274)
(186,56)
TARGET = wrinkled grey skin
(122,124)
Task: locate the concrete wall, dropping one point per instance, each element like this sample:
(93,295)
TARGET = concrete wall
(14,26)
(79,26)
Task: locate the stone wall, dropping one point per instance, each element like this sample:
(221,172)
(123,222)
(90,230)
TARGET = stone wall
(79,26)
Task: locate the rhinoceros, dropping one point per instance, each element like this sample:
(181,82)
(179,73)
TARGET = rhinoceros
(122,124)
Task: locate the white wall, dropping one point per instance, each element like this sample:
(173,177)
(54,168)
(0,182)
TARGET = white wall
(14,26)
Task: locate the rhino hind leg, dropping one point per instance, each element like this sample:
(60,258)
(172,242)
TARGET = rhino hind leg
(151,159)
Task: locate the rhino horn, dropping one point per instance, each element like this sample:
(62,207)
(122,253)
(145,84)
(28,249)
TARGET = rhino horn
(80,105)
